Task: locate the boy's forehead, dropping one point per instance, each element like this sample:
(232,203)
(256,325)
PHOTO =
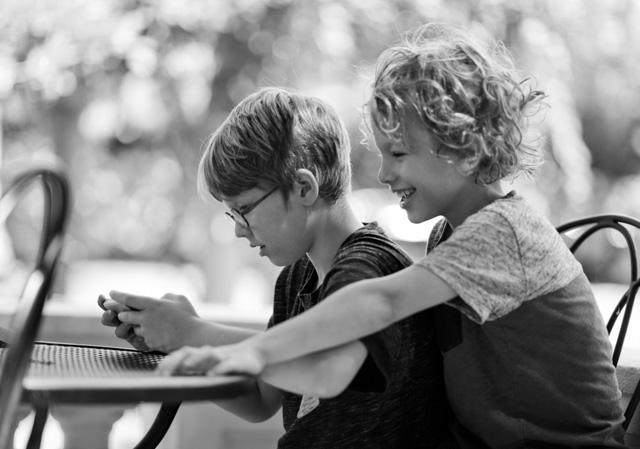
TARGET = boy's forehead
(235,198)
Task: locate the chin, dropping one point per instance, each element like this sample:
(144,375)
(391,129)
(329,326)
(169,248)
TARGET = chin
(413,218)
(277,262)
(280,261)
(418,218)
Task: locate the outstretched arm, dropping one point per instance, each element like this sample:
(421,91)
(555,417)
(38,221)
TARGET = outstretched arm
(323,374)
(350,313)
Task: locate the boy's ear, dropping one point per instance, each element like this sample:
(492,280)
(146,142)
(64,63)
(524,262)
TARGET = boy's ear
(306,186)
(466,166)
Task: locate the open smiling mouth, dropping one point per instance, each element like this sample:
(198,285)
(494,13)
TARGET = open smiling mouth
(405,195)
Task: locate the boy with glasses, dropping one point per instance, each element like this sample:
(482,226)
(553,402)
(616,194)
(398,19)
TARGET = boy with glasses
(280,163)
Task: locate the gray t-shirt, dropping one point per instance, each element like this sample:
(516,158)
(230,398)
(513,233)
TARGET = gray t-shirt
(527,357)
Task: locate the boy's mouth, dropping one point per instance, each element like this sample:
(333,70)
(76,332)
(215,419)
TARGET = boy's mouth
(404,195)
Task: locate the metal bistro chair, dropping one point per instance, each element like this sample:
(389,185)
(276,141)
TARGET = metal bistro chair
(43,374)
(577,232)
(18,340)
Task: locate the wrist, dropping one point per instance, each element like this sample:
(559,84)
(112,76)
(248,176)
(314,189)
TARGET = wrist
(258,351)
(195,332)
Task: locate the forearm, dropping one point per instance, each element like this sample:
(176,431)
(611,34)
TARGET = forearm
(357,310)
(216,334)
(347,315)
(322,374)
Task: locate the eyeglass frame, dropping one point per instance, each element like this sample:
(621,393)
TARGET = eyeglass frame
(235,216)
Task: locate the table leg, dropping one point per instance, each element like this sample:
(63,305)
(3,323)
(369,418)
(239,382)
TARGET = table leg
(87,427)
(22,412)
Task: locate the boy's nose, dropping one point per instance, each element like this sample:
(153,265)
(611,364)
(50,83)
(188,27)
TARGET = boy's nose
(241,231)
(384,174)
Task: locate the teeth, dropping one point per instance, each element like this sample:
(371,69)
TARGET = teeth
(405,194)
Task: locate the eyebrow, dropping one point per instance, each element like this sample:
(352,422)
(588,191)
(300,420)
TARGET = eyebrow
(240,208)
(232,200)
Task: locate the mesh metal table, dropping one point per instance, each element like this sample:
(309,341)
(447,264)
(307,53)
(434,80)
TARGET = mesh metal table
(76,374)
(68,374)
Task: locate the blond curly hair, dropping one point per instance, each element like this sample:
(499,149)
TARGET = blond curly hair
(466,92)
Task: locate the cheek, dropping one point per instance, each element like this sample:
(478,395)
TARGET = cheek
(278,225)
(411,171)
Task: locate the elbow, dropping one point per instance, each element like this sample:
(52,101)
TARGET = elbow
(259,413)
(259,416)
(253,413)
(327,390)
(330,387)
(331,391)
(255,407)
(334,378)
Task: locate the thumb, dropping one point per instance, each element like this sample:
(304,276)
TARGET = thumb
(174,297)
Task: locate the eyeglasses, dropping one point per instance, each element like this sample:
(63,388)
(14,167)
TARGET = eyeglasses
(235,216)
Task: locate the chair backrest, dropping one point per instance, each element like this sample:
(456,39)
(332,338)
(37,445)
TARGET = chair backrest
(576,233)
(22,332)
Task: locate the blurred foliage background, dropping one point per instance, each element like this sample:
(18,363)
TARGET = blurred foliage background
(124,92)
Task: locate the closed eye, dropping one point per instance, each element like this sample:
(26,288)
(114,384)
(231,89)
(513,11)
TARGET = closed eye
(397,150)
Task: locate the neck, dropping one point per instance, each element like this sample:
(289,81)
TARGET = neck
(335,224)
(472,200)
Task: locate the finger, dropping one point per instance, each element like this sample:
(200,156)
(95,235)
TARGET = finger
(125,331)
(171,296)
(110,318)
(131,317)
(139,343)
(228,365)
(178,299)
(132,301)
(171,363)
(199,361)
(101,300)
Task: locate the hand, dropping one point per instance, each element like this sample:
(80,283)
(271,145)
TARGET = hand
(123,331)
(163,324)
(112,304)
(231,359)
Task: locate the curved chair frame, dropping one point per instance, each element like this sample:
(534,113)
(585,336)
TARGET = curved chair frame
(621,224)
(27,318)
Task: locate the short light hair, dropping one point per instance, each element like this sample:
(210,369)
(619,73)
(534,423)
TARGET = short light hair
(267,137)
(467,94)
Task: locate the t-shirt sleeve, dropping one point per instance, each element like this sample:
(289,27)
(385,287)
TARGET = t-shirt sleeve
(495,262)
